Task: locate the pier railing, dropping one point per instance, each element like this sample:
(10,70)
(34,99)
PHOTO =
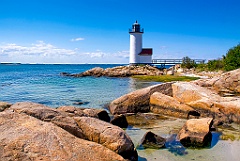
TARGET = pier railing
(175,61)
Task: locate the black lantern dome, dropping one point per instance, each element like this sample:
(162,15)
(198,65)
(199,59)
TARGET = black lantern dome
(136,28)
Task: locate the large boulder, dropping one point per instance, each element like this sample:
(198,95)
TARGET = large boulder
(108,135)
(196,133)
(48,114)
(167,105)
(26,138)
(138,101)
(207,102)
(82,127)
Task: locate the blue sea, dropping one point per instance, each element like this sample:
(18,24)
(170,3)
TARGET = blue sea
(42,83)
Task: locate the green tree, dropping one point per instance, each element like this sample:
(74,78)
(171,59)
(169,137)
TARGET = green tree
(188,63)
(215,64)
(232,58)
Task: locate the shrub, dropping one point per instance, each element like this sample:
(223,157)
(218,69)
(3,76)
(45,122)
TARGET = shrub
(232,58)
(188,63)
(215,64)
(202,67)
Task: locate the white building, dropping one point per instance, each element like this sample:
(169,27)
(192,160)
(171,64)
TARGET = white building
(138,55)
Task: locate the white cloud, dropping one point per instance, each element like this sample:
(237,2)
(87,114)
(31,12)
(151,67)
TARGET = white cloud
(122,54)
(41,52)
(78,39)
(97,54)
(40,48)
(100,54)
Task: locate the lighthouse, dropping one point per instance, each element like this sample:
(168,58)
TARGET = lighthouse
(138,55)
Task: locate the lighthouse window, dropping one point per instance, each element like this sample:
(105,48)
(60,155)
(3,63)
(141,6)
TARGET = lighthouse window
(136,28)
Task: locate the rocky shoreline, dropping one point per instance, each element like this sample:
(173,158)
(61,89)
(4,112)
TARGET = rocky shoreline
(119,71)
(32,131)
(217,97)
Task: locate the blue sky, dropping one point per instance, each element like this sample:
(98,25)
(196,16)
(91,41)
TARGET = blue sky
(96,31)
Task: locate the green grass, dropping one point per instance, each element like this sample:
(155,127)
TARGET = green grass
(165,78)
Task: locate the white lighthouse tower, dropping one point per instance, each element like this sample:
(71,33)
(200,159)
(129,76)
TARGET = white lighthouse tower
(138,55)
(135,43)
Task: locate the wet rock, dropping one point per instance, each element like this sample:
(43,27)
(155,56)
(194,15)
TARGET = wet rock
(151,140)
(138,101)
(78,103)
(26,138)
(120,121)
(136,119)
(196,133)
(4,105)
(107,135)
(167,105)
(65,74)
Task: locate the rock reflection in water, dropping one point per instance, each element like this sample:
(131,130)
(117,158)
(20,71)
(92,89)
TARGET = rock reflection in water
(175,146)
(215,138)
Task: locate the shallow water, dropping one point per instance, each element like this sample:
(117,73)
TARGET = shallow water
(220,150)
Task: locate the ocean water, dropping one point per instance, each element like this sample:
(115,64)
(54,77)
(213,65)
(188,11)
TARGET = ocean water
(43,84)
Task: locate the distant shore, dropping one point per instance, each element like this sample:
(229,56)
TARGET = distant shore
(9,63)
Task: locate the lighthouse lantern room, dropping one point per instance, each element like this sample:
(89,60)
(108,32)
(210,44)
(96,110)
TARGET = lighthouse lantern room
(138,55)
